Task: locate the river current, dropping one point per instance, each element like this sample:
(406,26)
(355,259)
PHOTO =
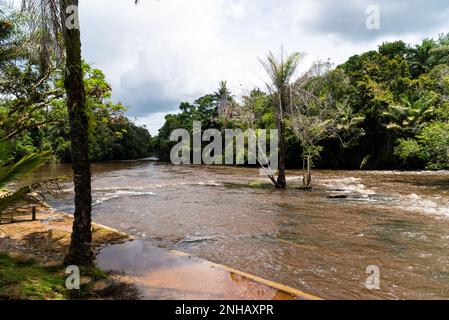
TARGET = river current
(321,241)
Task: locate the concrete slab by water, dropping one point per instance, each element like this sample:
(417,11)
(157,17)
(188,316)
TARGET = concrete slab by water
(172,275)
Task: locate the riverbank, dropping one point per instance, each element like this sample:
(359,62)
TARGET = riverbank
(32,254)
(48,238)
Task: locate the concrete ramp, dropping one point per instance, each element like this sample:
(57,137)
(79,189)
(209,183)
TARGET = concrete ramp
(172,275)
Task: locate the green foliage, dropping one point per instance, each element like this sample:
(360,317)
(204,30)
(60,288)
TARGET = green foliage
(409,115)
(393,106)
(420,57)
(112,136)
(26,279)
(431,146)
(434,141)
(408,149)
(23,278)
(38,121)
(9,33)
(15,172)
(281,70)
(33,113)
(126,142)
(365,161)
(204,109)
(397,90)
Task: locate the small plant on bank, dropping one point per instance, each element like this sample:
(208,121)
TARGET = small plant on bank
(15,172)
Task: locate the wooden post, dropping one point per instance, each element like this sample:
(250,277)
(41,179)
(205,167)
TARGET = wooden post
(33,214)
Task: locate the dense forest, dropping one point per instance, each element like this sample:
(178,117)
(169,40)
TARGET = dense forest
(393,110)
(33,113)
(385,109)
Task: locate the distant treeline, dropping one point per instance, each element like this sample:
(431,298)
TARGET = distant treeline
(396,101)
(391,108)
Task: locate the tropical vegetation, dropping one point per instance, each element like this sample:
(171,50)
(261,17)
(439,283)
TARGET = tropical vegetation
(14,172)
(383,109)
(52,101)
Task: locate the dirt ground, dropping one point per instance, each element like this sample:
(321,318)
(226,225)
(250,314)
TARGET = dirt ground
(47,239)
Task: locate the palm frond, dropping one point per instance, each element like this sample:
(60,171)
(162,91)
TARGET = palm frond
(5,152)
(11,199)
(281,70)
(45,27)
(23,167)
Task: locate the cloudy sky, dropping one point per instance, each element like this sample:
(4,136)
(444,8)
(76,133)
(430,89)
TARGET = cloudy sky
(162,52)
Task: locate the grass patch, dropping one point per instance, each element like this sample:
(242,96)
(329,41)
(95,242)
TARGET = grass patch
(25,279)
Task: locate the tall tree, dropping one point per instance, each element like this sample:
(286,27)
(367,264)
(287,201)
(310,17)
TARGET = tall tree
(281,71)
(80,252)
(225,103)
(222,97)
(6,29)
(58,19)
(51,22)
(316,113)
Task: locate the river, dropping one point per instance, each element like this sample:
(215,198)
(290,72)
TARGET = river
(321,242)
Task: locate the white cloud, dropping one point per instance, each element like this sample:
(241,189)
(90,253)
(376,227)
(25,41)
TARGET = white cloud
(153,121)
(163,52)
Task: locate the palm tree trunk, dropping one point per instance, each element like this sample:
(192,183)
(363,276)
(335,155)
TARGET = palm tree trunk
(80,252)
(281,181)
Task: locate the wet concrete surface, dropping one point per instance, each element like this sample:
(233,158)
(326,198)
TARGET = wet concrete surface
(172,275)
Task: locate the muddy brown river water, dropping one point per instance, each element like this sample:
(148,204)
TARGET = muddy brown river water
(320,242)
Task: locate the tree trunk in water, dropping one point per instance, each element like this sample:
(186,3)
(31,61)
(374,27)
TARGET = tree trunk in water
(80,252)
(307,172)
(281,181)
(284,101)
(304,173)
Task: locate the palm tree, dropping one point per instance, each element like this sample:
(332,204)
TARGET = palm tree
(224,100)
(222,96)
(80,251)
(49,27)
(420,57)
(11,172)
(5,32)
(280,71)
(50,22)
(411,115)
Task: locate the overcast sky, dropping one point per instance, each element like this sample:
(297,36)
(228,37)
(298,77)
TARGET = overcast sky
(162,52)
